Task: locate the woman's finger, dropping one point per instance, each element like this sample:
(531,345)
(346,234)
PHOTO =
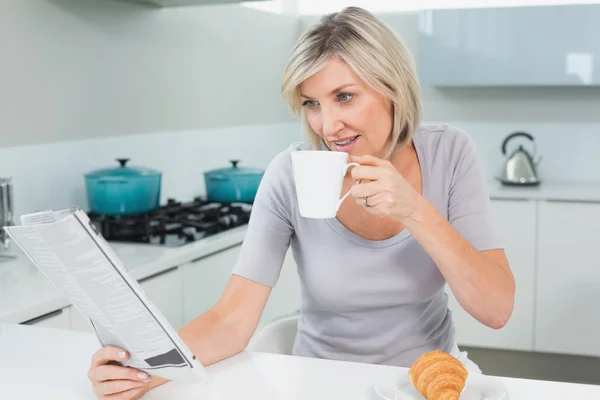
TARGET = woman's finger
(366,173)
(118,386)
(365,189)
(126,395)
(107,354)
(368,160)
(371,202)
(113,372)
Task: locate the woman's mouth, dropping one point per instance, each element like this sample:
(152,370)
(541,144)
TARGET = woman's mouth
(345,144)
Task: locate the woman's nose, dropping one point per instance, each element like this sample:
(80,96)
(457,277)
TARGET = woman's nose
(331,123)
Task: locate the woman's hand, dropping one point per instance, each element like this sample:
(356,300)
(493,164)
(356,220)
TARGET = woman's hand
(115,382)
(383,190)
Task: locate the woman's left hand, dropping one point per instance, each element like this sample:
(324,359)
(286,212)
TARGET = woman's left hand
(383,190)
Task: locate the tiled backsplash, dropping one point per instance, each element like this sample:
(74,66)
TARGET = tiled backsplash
(569,150)
(51,175)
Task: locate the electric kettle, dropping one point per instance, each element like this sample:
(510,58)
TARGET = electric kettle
(520,168)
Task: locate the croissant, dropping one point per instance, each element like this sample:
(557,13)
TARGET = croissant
(438,376)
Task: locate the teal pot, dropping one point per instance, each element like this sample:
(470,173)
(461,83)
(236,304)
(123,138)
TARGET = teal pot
(233,184)
(123,190)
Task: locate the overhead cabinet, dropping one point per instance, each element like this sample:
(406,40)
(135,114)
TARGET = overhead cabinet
(179,3)
(510,46)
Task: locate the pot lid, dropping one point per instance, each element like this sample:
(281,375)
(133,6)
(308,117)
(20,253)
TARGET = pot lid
(122,171)
(235,170)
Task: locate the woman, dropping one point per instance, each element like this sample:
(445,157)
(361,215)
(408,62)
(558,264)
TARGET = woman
(373,278)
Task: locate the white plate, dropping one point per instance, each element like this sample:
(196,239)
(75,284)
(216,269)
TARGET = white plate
(477,387)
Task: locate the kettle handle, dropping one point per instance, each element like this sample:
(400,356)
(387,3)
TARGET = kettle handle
(512,135)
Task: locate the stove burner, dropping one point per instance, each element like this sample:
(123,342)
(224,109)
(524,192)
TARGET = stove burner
(174,223)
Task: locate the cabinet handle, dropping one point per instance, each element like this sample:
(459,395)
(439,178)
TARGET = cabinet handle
(214,253)
(158,274)
(523,199)
(42,317)
(572,201)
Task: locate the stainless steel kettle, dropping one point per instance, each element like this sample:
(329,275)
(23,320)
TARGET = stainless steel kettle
(6,210)
(520,168)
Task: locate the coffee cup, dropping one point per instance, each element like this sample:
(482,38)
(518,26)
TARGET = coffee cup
(319,176)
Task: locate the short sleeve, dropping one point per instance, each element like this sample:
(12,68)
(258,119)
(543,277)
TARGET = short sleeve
(270,226)
(469,208)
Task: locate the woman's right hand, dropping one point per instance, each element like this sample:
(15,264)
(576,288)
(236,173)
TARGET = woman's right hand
(115,382)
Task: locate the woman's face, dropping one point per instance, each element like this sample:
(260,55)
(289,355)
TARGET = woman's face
(345,112)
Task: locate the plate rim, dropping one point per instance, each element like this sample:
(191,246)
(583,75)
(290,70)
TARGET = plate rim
(401,383)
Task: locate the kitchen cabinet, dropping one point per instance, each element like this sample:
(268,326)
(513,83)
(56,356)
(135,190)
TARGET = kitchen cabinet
(537,45)
(180,3)
(79,322)
(58,319)
(165,291)
(205,280)
(515,221)
(568,280)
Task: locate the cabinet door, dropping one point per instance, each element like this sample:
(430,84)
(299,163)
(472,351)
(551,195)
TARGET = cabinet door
(285,297)
(547,45)
(568,296)
(79,322)
(58,319)
(205,280)
(515,222)
(165,290)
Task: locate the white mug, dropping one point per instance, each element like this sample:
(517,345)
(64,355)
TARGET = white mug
(319,176)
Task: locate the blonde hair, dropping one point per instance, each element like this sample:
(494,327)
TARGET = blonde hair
(376,55)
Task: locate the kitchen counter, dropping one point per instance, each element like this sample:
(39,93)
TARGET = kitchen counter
(25,293)
(550,191)
(45,363)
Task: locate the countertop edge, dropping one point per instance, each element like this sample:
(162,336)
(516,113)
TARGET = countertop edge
(552,191)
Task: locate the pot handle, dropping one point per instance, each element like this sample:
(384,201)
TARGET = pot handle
(515,134)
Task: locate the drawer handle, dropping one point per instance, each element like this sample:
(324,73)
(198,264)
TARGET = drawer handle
(43,317)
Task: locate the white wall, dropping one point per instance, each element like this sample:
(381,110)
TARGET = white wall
(77,69)
(564,121)
(51,175)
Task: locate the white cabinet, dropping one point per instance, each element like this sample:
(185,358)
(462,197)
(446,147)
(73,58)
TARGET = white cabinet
(79,322)
(165,291)
(285,296)
(205,280)
(568,294)
(494,46)
(59,319)
(515,221)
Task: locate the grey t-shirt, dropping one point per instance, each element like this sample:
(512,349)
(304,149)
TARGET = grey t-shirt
(373,301)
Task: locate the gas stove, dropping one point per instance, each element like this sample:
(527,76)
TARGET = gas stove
(173,224)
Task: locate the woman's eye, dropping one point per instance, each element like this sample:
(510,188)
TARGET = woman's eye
(310,103)
(344,97)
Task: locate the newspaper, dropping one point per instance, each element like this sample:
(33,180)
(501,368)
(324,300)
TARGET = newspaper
(69,251)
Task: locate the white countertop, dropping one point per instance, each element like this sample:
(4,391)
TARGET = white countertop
(25,293)
(46,363)
(551,191)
